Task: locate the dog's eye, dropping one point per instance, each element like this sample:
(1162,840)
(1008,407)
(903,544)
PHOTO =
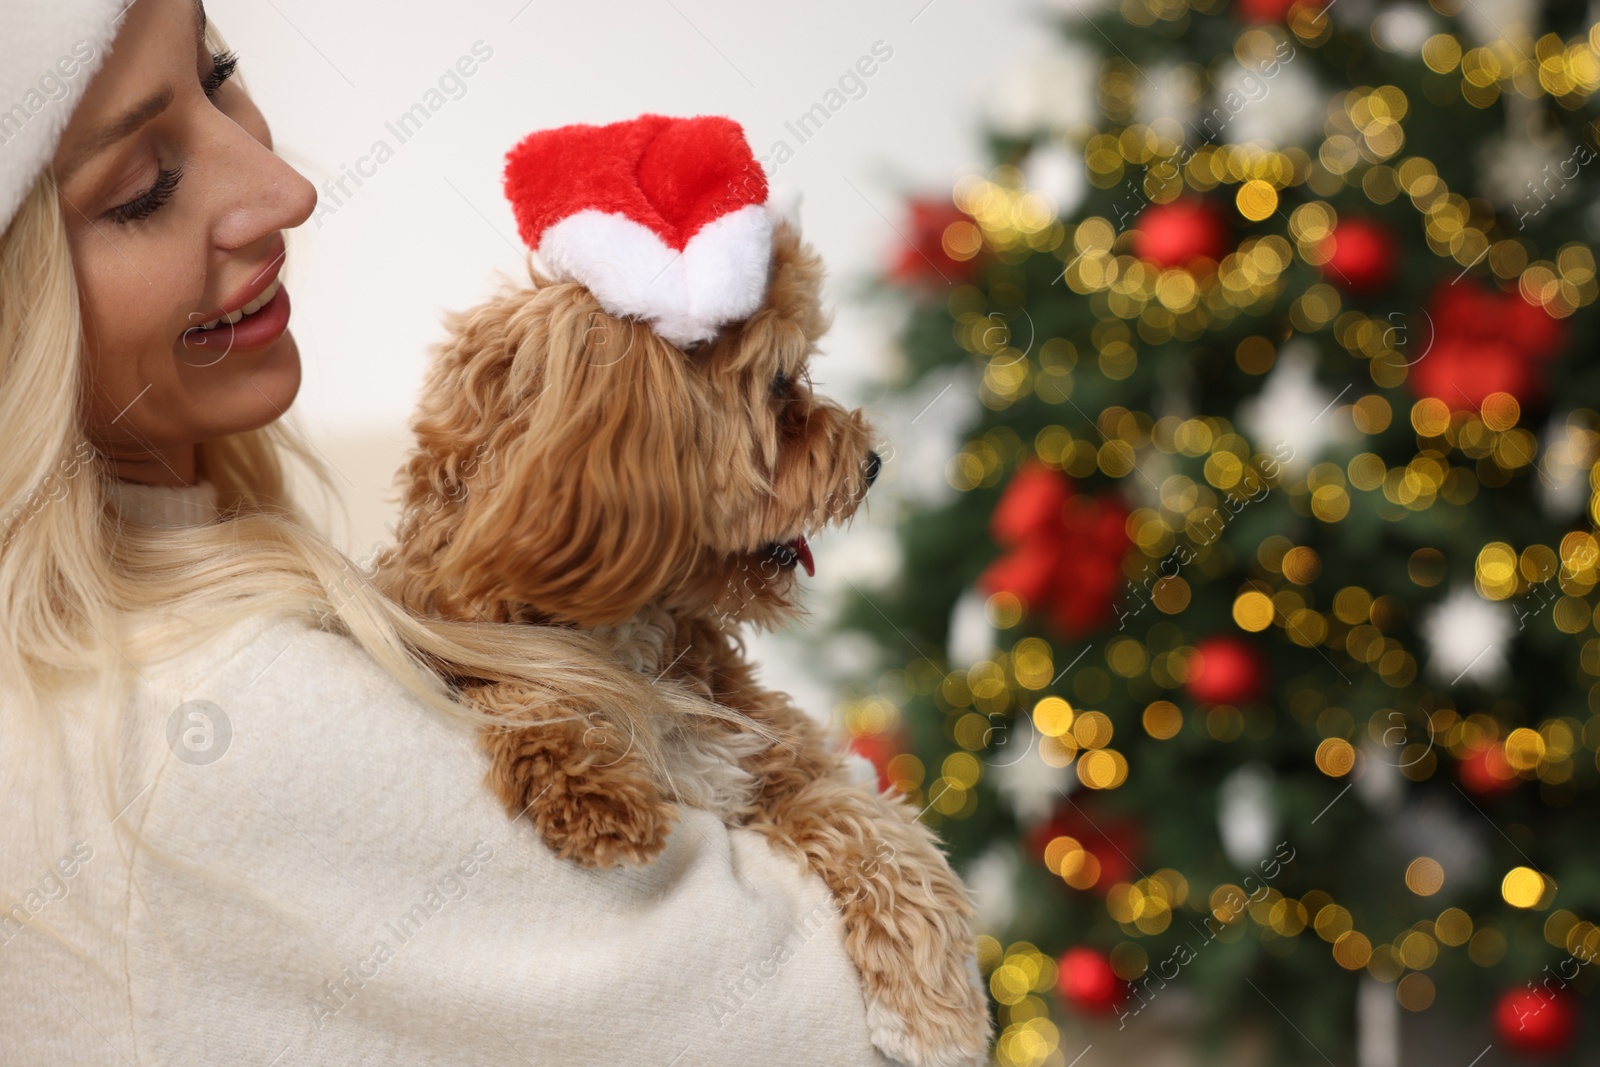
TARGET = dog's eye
(780,386)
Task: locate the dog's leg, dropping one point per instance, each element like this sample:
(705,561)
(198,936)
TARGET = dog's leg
(907,917)
(590,797)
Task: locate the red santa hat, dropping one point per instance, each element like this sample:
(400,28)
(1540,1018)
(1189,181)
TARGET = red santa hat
(663,219)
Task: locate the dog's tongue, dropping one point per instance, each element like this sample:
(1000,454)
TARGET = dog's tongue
(802,552)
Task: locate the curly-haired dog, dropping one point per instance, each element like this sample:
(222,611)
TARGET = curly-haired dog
(653,494)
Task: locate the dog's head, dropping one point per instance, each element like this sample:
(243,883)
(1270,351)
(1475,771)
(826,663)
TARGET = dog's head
(578,463)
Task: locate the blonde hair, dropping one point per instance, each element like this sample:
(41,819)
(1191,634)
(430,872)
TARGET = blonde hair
(86,596)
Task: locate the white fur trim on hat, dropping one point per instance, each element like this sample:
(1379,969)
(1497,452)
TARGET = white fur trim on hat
(720,276)
(49,49)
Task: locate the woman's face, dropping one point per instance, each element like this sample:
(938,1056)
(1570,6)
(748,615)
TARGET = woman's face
(172,225)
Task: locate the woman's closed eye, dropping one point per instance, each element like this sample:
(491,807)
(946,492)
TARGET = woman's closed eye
(150,201)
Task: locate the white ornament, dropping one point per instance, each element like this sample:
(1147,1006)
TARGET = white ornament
(866,557)
(1468,638)
(918,434)
(1442,830)
(1569,453)
(1051,92)
(1377,1024)
(1282,110)
(1487,21)
(1247,817)
(1058,173)
(1294,411)
(1167,91)
(992,880)
(1522,175)
(971,636)
(1380,782)
(1403,28)
(1029,785)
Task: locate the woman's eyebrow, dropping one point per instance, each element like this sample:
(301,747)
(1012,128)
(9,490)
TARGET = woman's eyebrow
(130,122)
(132,119)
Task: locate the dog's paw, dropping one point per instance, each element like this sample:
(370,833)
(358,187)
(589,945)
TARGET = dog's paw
(596,828)
(916,1029)
(589,804)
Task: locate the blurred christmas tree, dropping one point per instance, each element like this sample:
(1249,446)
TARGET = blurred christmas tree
(1248,660)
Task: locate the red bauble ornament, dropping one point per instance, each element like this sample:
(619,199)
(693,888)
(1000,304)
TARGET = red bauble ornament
(1065,547)
(1484,342)
(1361,256)
(1541,1022)
(1486,773)
(880,749)
(1268,10)
(927,259)
(1087,983)
(1181,233)
(1227,670)
(1112,840)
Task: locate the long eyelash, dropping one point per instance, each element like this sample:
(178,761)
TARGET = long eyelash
(148,203)
(223,65)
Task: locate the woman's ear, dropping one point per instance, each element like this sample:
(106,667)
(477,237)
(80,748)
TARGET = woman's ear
(593,505)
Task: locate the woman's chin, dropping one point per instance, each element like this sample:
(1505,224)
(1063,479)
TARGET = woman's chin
(277,377)
(256,386)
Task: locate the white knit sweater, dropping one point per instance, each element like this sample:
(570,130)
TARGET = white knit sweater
(377,905)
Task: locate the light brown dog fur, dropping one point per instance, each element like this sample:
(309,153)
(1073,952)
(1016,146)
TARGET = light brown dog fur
(637,491)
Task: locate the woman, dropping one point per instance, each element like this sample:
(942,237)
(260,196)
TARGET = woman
(246,821)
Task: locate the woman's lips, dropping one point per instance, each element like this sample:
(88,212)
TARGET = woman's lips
(262,328)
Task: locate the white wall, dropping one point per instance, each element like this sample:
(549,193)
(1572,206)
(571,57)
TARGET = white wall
(428,230)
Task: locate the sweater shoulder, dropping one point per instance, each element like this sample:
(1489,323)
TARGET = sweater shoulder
(324,858)
(193,665)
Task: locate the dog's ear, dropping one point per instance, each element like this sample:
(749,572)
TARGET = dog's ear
(595,500)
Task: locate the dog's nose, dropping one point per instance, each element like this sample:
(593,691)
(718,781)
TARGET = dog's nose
(873,465)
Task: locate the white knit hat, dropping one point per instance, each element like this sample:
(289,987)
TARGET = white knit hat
(49,49)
